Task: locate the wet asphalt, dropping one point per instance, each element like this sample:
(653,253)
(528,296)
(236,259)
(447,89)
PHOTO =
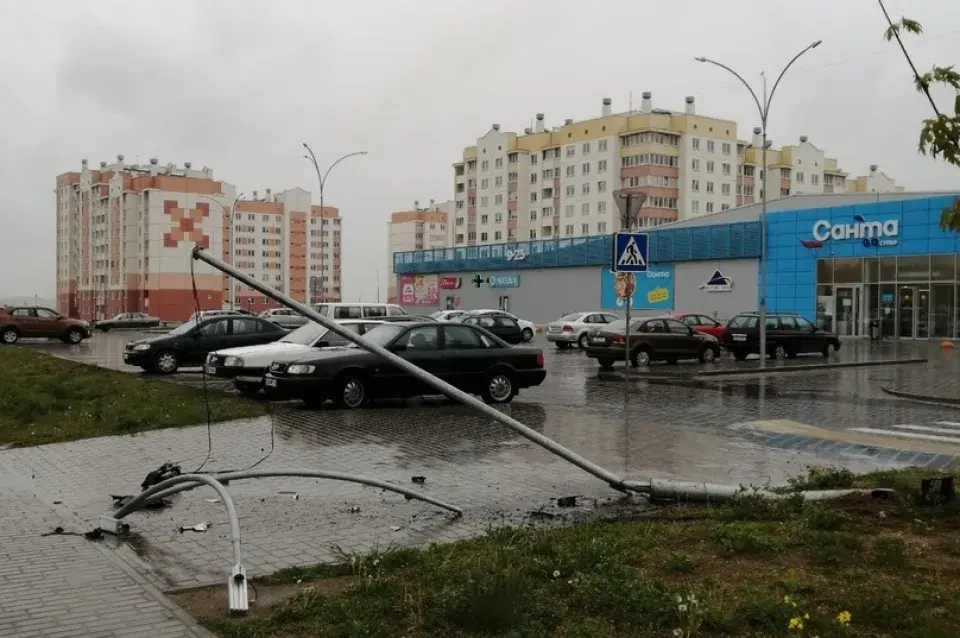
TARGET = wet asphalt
(714,429)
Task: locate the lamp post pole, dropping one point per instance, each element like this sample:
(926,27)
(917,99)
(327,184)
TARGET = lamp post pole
(231,296)
(763,107)
(322,181)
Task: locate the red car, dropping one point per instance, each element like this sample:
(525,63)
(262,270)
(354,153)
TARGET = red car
(701,323)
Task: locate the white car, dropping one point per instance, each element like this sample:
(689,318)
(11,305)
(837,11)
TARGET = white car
(447,315)
(574,328)
(529,328)
(248,365)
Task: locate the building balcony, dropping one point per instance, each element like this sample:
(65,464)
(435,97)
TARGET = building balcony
(512,187)
(512,223)
(512,205)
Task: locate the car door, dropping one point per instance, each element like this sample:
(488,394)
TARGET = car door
(420,345)
(465,357)
(211,335)
(683,344)
(247,331)
(810,341)
(49,323)
(26,320)
(789,335)
(509,330)
(655,335)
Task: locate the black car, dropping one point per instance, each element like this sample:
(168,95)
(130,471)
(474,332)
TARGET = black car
(188,344)
(504,326)
(127,320)
(651,339)
(466,356)
(787,336)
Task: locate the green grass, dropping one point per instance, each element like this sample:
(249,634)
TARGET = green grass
(44,399)
(744,569)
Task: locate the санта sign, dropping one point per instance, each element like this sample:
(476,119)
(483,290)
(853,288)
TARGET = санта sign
(870,233)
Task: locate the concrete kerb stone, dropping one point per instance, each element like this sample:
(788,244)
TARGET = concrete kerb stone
(921,398)
(695,373)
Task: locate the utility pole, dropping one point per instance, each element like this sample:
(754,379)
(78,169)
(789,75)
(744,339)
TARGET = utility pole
(322,181)
(764,110)
(629,203)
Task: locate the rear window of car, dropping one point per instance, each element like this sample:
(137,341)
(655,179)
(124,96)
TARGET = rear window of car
(571,317)
(743,322)
(347,312)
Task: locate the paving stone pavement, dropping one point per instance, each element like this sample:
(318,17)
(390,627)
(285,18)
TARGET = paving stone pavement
(66,586)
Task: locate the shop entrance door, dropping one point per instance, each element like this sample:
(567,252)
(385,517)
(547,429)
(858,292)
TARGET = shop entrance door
(913,311)
(849,311)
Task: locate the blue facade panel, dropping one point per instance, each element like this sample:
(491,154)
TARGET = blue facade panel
(727,241)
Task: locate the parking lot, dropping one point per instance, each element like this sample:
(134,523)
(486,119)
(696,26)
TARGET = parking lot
(733,429)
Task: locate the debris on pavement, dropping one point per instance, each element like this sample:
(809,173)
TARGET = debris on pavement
(199,527)
(166,471)
(419,480)
(119,500)
(567,501)
(541,514)
(354,509)
(92,535)
(212,500)
(394,528)
(295,496)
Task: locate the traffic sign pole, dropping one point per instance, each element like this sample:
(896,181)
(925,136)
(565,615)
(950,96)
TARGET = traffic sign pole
(632,258)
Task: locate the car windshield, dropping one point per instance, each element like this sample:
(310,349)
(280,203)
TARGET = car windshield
(571,317)
(383,334)
(620,325)
(305,335)
(183,328)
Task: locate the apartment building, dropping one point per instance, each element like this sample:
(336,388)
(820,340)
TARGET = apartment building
(803,169)
(125,235)
(416,229)
(559,182)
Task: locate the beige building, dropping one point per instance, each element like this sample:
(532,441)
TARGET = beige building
(875,182)
(125,235)
(416,229)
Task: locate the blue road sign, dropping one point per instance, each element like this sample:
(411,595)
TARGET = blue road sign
(630,252)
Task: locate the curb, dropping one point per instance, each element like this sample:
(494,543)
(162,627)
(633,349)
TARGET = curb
(757,371)
(924,398)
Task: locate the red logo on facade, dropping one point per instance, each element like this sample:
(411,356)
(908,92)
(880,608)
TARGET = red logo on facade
(449,283)
(185,225)
(811,243)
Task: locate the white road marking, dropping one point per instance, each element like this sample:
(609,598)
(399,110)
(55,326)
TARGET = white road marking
(910,435)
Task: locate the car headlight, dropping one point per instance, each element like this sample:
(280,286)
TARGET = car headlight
(140,347)
(301,368)
(233,362)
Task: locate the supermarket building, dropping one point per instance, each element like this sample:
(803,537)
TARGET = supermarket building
(840,260)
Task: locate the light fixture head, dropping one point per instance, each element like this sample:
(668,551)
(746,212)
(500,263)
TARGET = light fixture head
(701,59)
(816,44)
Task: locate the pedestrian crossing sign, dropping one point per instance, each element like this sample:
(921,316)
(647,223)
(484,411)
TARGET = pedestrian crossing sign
(630,252)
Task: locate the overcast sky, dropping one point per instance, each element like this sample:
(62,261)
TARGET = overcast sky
(238,85)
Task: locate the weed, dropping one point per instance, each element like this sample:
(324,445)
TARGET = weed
(823,478)
(680,562)
(740,538)
(889,552)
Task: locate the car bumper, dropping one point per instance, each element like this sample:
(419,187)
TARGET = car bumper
(142,358)
(297,387)
(246,375)
(562,337)
(530,378)
(604,352)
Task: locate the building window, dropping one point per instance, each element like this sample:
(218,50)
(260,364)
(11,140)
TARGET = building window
(497,235)
(533,233)
(601,227)
(484,165)
(695,206)
(585,208)
(711,146)
(485,182)
(725,168)
(696,143)
(586,148)
(568,230)
(695,186)
(601,207)
(725,148)
(710,167)
(601,166)
(584,229)
(570,190)
(568,210)
(483,236)
(585,189)
(709,207)
(533,197)
(484,201)
(497,199)
(800,177)
(498,180)
(696,164)
(498,163)
(571,171)
(571,151)
(601,187)
(533,215)
(725,189)
(533,178)
(533,158)
(585,168)
(814,179)
(601,145)
(709,187)
(724,206)
(784,192)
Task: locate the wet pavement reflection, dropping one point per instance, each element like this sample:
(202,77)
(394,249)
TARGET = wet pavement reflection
(718,429)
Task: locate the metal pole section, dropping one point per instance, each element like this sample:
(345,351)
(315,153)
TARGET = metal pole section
(438,384)
(307,473)
(628,224)
(233,248)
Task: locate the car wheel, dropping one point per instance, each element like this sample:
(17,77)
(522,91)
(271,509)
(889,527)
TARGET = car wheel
(247,389)
(606,363)
(829,350)
(582,341)
(562,345)
(10,336)
(351,393)
(499,388)
(640,358)
(779,352)
(527,335)
(740,355)
(73,337)
(166,362)
(708,355)
(104,328)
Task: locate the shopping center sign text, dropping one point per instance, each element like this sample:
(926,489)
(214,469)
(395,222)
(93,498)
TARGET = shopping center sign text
(870,233)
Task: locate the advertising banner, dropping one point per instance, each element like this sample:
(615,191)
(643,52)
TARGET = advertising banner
(652,290)
(418,290)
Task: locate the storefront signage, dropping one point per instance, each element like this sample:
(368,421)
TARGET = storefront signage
(515,255)
(418,290)
(503,281)
(717,283)
(870,233)
(450,283)
(650,290)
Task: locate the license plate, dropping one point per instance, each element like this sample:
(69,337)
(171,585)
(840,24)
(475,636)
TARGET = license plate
(126,356)
(599,340)
(271,383)
(739,337)
(210,370)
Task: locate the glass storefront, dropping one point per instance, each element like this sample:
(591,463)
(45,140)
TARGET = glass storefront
(913,296)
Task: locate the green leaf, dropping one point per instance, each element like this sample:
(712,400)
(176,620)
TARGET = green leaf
(911,26)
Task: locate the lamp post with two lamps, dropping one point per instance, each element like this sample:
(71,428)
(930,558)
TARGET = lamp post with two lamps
(764,109)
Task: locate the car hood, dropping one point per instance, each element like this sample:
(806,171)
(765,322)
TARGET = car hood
(266,353)
(322,355)
(155,339)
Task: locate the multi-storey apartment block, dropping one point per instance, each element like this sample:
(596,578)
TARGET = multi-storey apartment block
(416,229)
(875,182)
(125,235)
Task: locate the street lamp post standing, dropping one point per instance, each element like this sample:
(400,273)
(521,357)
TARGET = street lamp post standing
(322,181)
(764,109)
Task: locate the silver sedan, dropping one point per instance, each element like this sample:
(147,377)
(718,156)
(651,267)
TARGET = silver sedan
(573,328)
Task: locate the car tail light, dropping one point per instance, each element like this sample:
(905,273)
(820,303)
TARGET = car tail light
(567,328)
(539,359)
(618,339)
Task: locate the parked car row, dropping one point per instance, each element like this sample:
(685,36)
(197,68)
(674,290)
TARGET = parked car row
(18,322)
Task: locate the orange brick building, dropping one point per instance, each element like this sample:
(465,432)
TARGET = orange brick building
(125,235)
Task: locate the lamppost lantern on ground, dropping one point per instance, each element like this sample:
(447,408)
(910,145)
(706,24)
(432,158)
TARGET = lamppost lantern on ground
(322,181)
(763,107)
